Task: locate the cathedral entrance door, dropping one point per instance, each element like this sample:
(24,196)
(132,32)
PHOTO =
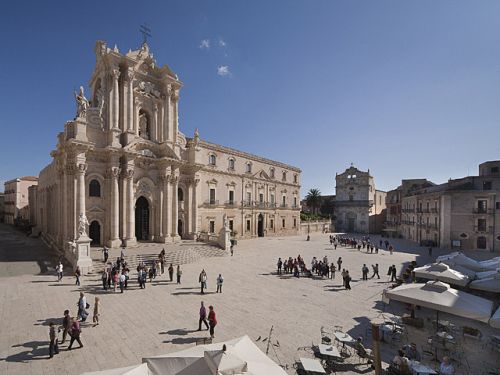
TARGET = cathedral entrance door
(142,219)
(95,233)
(260,226)
(179,227)
(350,224)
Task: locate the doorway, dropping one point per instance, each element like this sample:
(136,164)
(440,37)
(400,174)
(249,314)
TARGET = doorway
(350,224)
(180,229)
(260,225)
(142,219)
(481,242)
(95,233)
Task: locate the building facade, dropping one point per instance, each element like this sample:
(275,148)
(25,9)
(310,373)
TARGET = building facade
(124,163)
(461,214)
(16,199)
(359,207)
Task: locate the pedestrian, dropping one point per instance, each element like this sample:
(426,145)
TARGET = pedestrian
(339,263)
(75,332)
(203,317)
(212,320)
(82,307)
(97,313)
(279,264)
(122,280)
(364,271)
(142,278)
(179,274)
(151,274)
(66,325)
(171,272)
(332,271)
(347,280)
(393,273)
(202,279)
(116,279)
(53,346)
(104,278)
(343,273)
(375,271)
(232,248)
(105,252)
(430,251)
(220,280)
(78,273)
(59,270)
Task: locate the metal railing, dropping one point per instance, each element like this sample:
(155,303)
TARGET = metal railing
(483,229)
(479,210)
(211,202)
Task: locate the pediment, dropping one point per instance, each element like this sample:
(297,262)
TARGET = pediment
(96,209)
(262,174)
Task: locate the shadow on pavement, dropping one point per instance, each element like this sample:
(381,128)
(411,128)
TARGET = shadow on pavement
(35,353)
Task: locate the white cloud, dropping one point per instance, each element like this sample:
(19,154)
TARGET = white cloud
(222,43)
(205,44)
(223,70)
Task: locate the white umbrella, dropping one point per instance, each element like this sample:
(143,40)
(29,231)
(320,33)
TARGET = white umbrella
(217,362)
(141,369)
(442,272)
(495,319)
(486,274)
(489,284)
(439,296)
(458,258)
(238,351)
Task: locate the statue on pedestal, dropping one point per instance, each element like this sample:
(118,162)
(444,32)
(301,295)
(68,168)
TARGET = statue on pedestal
(82,103)
(225,222)
(82,225)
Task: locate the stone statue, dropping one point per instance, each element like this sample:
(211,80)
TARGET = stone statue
(81,103)
(82,225)
(225,222)
(196,138)
(143,126)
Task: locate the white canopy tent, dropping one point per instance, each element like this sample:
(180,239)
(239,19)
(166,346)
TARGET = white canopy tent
(495,319)
(489,284)
(242,356)
(141,369)
(442,272)
(458,258)
(486,274)
(439,296)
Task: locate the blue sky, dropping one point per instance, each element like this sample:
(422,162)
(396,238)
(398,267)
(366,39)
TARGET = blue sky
(408,89)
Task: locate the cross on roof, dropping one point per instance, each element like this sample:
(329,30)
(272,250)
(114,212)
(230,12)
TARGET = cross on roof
(146,32)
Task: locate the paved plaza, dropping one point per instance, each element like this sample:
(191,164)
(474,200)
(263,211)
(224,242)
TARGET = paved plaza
(164,316)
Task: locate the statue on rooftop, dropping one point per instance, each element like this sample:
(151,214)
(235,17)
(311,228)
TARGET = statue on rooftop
(82,103)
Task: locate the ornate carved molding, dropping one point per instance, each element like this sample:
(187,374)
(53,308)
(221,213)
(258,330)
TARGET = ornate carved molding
(115,73)
(82,168)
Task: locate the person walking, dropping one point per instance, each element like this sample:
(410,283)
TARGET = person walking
(53,346)
(391,249)
(375,271)
(220,280)
(202,279)
(203,317)
(82,307)
(104,278)
(171,272)
(279,264)
(347,280)
(78,273)
(116,279)
(339,263)
(122,280)
(179,274)
(393,273)
(75,332)
(97,312)
(105,252)
(430,251)
(66,324)
(332,271)
(59,270)
(212,320)
(364,271)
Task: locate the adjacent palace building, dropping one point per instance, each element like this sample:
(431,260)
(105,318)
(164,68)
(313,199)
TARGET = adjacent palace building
(124,163)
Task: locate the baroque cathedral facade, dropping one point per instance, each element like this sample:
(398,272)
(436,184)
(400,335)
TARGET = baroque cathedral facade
(124,164)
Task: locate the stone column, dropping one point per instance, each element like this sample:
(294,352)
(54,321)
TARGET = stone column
(161,208)
(189,209)
(81,195)
(167,207)
(123,207)
(175,115)
(130,101)
(131,240)
(64,215)
(194,206)
(116,98)
(166,117)
(175,207)
(114,240)
(154,125)
(136,115)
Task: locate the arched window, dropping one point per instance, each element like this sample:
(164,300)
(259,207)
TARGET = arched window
(94,189)
(180,195)
(249,167)
(283,177)
(231,164)
(271,173)
(211,159)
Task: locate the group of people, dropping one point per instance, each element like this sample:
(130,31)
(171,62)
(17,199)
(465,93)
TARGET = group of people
(212,319)
(401,361)
(202,279)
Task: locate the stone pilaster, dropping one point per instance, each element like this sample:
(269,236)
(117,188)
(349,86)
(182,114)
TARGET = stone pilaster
(167,207)
(116,98)
(174,180)
(81,195)
(189,209)
(194,209)
(114,212)
(131,239)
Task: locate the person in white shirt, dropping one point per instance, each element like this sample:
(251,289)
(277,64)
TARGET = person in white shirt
(220,280)
(446,367)
(59,270)
(122,281)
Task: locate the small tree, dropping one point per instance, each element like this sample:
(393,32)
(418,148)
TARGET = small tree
(313,199)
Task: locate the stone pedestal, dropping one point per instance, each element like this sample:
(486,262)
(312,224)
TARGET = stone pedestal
(175,238)
(114,244)
(130,242)
(82,252)
(225,238)
(114,137)
(128,137)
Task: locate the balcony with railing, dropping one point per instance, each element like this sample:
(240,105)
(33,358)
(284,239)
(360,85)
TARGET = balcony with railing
(483,229)
(211,203)
(283,205)
(483,210)
(246,203)
(295,207)
(434,210)
(230,203)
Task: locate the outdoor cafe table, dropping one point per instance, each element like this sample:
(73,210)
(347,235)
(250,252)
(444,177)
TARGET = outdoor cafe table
(343,338)
(312,365)
(420,369)
(329,351)
(389,327)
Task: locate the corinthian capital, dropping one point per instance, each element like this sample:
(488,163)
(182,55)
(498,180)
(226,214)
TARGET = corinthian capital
(115,73)
(82,168)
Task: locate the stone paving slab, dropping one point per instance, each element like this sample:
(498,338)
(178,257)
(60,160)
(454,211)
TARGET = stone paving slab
(164,316)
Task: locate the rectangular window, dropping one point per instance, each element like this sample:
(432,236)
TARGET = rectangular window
(295,201)
(295,179)
(283,201)
(486,185)
(248,225)
(261,198)
(212,226)
(494,169)
(212,196)
(482,206)
(249,197)
(271,223)
(481,225)
(231,197)
(295,223)
(272,198)
(498,205)
(282,223)
(231,225)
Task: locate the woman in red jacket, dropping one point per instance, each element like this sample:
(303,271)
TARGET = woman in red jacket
(212,320)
